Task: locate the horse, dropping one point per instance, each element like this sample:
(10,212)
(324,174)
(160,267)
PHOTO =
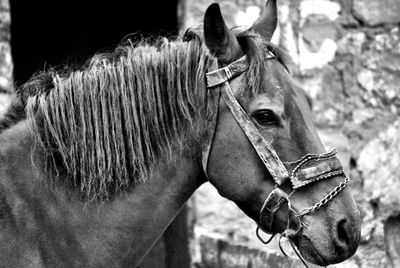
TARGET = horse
(100,160)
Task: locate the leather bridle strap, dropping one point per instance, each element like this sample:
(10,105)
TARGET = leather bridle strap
(213,96)
(218,83)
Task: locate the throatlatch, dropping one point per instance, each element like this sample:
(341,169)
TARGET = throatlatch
(308,169)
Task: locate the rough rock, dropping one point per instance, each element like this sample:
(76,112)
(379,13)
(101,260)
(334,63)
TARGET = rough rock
(6,81)
(329,103)
(316,30)
(392,240)
(318,33)
(381,85)
(376,12)
(4,5)
(220,253)
(379,164)
(327,8)
(6,66)
(351,43)
(5,100)
(383,53)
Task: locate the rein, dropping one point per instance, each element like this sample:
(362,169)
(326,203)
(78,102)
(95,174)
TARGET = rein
(308,169)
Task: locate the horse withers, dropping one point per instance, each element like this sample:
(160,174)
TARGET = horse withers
(103,158)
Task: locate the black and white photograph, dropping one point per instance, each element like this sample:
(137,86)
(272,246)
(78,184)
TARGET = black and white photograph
(200,134)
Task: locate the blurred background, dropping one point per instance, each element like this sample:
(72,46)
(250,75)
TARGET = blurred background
(347,56)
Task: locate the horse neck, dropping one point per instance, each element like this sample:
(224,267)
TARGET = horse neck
(72,233)
(135,221)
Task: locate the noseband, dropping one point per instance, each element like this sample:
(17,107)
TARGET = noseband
(308,169)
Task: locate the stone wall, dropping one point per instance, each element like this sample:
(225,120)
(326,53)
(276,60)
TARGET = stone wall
(219,253)
(347,56)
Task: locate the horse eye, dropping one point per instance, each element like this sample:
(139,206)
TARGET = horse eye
(265,117)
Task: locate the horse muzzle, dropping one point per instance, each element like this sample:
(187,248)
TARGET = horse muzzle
(309,169)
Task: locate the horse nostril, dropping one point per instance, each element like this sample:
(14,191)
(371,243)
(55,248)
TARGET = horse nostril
(342,232)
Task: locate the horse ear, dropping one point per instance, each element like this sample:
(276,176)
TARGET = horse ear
(265,26)
(219,39)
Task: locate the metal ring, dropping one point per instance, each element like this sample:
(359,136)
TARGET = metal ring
(261,239)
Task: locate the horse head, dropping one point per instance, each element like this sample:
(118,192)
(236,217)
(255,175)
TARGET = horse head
(264,152)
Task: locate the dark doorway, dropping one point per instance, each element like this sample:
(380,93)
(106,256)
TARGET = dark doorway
(50,33)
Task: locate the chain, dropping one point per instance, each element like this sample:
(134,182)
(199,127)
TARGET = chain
(300,162)
(328,197)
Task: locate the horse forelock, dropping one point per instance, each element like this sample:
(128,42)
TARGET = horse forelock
(256,49)
(105,126)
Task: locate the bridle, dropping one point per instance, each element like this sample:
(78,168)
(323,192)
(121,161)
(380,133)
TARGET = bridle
(308,169)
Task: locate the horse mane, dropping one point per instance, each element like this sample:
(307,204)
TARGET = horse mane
(104,127)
